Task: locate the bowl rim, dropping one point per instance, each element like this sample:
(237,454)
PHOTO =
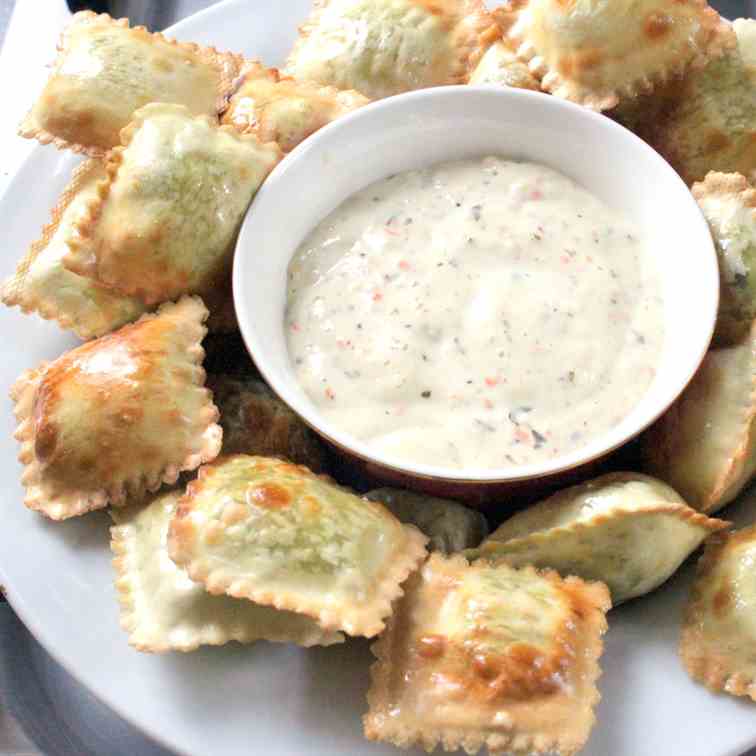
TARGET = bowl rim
(360,449)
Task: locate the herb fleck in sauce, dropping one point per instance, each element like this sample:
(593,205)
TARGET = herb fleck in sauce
(480,313)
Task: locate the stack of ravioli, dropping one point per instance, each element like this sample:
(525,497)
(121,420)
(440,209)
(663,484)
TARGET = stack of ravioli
(226,525)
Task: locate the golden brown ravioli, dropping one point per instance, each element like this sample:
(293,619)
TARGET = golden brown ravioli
(163,610)
(627,530)
(277,534)
(117,416)
(710,126)
(384,47)
(481,655)
(43,285)
(105,71)
(167,215)
(280,109)
(728,201)
(719,631)
(255,421)
(595,51)
(704,445)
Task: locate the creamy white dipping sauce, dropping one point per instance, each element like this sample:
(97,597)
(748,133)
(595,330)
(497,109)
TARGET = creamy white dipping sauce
(476,314)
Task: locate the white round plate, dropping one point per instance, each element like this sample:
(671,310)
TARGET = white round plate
(268,698)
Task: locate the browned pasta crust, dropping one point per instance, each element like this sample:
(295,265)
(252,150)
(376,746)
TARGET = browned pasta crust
(716,645)
(117,416)
(451,669)
(595,55)
(86,114)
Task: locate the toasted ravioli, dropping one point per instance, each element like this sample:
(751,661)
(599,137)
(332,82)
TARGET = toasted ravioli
(703,446)
(449,525)
(163,610)
(595,51)
(500,65)
(627,530)
(279,535)
(384,47)
(106,70)
(719,630)
(166,220)
(729,203)
(280,109)
(255,421)
(117,416)
(43,285)
(711,125)
(488,655)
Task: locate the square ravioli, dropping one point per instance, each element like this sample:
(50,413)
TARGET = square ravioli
(384,47)
(163,610)
(277,534)
(105,71)
(719,630)
(117,416)
(280,109)
(482,655)
(595,53)
(709,123)
(166,221)
(728,202)
(627,530)
(42,284)
(704,445)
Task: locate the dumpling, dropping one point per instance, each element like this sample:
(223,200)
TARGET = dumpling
(117,416)
(283,110)
(255,421)
(704,445)
(450,526)
(43,285)
(105,71)
(483,655)
(277,534)
(625,529)
(711,124)
(168,214)
(719,630)
(500,65)
(384,47)
(729,203)
(595,51)
(163,610)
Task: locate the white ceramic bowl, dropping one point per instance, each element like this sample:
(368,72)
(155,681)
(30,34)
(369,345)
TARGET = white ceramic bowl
(433,125)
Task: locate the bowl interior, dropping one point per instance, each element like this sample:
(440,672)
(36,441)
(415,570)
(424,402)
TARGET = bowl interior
(430,126)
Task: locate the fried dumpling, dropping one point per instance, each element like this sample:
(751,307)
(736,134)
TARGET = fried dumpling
(163,610)
(117,416)
(483,655)
(594,52)
(169,211)
(105,71)
(729,203)
(711,125)
(625,529)
(384,47)
(255,421)
(704,445)
(499,65)
(43,285)
(719,630)
(277,534)
(449,525)
(280,109)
